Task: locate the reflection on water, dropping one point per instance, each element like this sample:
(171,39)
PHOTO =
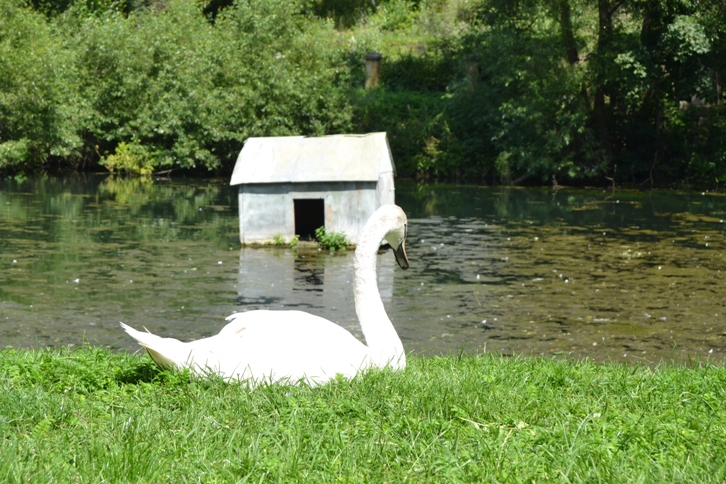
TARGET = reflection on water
(626,276)
(307,280)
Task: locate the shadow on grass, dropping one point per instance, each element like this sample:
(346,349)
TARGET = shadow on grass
(141,372)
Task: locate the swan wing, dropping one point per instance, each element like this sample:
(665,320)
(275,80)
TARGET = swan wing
(291,345)
(264,346)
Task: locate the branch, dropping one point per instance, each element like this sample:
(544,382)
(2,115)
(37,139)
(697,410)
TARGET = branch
(616,7)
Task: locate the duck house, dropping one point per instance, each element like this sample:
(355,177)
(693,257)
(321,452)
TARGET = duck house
(292,185)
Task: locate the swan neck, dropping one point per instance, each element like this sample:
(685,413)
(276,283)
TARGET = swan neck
(384,344)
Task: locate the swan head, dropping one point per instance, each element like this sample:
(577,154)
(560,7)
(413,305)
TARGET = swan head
(396,236)
(400,251)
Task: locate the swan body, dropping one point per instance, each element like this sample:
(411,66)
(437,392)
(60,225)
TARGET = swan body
(297,346)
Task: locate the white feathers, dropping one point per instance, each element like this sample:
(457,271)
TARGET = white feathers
(294,345)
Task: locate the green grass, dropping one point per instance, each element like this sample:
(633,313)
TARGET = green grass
(95,416)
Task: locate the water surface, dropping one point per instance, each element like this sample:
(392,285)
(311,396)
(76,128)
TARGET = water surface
(610,275)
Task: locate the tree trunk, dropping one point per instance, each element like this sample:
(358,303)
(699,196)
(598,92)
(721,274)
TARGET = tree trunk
(568,36)
(600,115)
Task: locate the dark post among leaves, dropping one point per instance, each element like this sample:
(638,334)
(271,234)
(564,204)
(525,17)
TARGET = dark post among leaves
(373,67)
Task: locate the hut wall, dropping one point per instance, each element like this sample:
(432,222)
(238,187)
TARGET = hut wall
(267,210)
(385,191)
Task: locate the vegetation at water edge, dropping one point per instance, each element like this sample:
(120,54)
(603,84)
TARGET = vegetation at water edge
(331,240)
(280,241)
(476,91)
(92,414)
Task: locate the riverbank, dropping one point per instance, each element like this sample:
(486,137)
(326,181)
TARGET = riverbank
(96,415)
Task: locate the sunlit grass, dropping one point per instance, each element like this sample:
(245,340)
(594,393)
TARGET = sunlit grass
(93,415)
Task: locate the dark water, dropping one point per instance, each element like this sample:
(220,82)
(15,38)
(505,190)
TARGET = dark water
(624,275)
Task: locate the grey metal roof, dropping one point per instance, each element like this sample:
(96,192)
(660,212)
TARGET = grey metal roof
(335,158)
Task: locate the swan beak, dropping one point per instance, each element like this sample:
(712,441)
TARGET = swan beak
(401,256)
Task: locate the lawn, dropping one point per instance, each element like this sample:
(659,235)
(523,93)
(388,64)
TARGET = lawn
(92,415)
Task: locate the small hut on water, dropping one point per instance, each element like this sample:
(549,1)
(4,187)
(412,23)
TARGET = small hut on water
(292,185)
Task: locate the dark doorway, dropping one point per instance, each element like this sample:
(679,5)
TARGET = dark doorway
(309,215)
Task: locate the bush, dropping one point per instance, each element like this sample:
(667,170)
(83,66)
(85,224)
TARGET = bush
(130,159)
(331,240)
(471,90)
(41,113)
(520,114)
(345,13)
(164,82)
(413,121)
(280,241)
(192,94)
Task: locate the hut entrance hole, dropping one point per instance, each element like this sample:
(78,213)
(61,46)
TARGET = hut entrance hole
(309,215)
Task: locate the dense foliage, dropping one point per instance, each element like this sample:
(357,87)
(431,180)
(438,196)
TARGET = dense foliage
(162,88)
(493,91)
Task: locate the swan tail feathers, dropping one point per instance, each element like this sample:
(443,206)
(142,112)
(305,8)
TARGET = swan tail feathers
(157,347)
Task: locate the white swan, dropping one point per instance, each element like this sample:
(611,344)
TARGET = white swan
(297,346)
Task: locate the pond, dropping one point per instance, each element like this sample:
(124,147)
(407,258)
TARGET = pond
(610,275)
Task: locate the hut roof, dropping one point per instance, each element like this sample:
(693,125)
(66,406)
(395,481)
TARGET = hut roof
(335,158)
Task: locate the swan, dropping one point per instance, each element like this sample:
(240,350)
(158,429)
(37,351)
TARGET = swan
(296,346)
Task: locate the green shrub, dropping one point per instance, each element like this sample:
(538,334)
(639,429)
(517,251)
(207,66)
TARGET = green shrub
(41,113)
(331,240)
(420,142)
(470,90)
(345,13)
(394,15)
(520,113)
(129,159)
(280,241)
(191,93)
(419,73)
